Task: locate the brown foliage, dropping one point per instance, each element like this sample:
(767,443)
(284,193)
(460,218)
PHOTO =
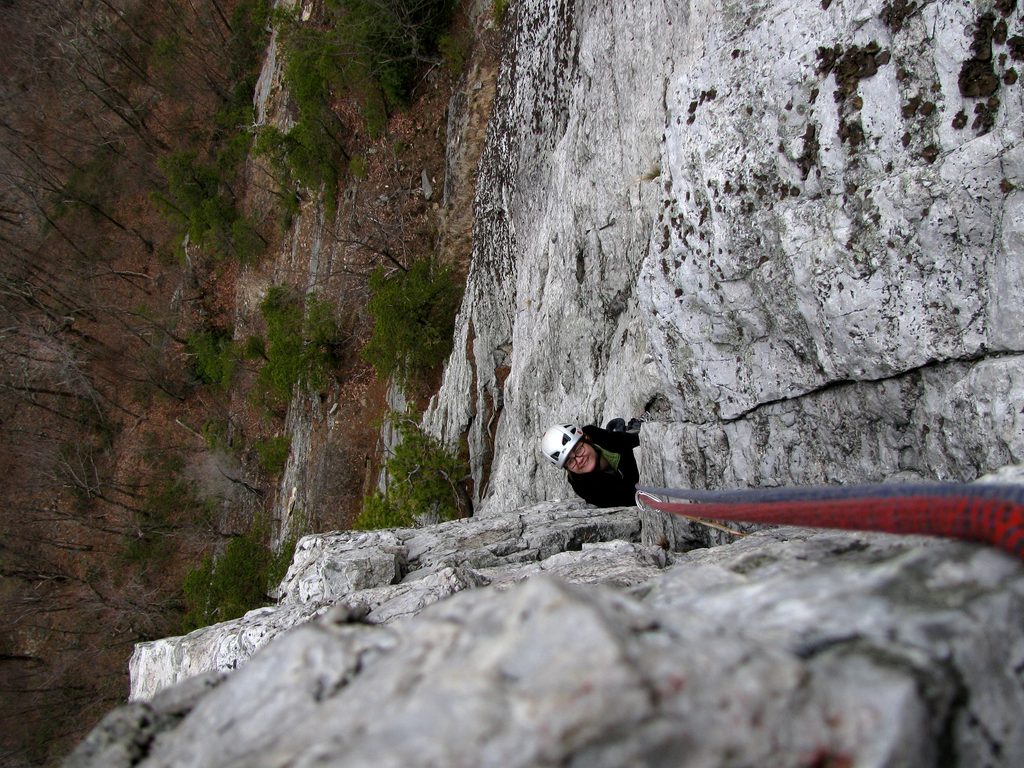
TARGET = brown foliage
(91,364)
(99,413)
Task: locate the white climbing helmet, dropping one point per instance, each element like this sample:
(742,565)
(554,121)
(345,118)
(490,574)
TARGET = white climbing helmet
(558,442)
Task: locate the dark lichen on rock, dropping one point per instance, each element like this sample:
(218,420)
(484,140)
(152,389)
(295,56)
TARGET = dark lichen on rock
(896,13)
(980,76)
(849,66)
(1016,46)
(809,156)
(1006,7)
(985,116)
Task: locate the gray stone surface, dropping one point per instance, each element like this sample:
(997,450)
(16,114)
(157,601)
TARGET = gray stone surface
(221,647)
(771,214)
(788,648)
(125,736)
(676,533)
(382,576)
(950,422)
(884,244)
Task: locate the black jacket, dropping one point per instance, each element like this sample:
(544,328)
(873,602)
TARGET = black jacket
(612,488)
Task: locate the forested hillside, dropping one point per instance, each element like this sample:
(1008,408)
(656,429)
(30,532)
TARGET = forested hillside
(144,403)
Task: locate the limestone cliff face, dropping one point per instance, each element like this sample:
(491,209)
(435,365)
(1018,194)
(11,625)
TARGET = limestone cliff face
(800,224)
(794,229)
(552,328)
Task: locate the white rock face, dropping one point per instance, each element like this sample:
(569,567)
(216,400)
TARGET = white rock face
(827,265)
(787,648)
(822,218)
(551,328)
(949,422)
(383,576)
(159,664)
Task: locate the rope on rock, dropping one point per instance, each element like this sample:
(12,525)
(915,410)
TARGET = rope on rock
(987,513)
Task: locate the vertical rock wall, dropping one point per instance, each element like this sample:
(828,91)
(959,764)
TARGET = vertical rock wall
(551,328)
(834,287)
(800,224)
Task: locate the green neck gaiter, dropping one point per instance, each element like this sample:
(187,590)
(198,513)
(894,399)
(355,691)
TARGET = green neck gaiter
(611,458)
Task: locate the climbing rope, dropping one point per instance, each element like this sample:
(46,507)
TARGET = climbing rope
(988,513)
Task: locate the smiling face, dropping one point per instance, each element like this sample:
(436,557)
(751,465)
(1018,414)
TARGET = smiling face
(582,459)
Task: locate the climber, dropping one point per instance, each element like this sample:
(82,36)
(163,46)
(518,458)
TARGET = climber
(600,463)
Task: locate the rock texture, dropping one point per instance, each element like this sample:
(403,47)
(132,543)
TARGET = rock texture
(796,227)
(788,648)
(387,575)
(865,231)
(833,300)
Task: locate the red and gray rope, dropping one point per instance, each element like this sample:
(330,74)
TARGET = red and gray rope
(988,513)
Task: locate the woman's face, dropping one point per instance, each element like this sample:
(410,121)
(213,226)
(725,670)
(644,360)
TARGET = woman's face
(582,459)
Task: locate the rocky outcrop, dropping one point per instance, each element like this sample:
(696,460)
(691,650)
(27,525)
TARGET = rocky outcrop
(786,648)
(383,576)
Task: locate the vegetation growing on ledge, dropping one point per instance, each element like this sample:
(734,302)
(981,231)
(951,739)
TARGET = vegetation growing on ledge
(202,188)
(499,8)
(425,482)
(273,453)
(198,199)
(237,581)
(302,345)
(213,357)
(368,50)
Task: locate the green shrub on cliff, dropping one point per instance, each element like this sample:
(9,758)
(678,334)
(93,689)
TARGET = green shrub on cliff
(199,200)
(237,581)
(213,356)
(273,453)
(366,50)
(425,479)
(499,9)
(303,340)
(413,320)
